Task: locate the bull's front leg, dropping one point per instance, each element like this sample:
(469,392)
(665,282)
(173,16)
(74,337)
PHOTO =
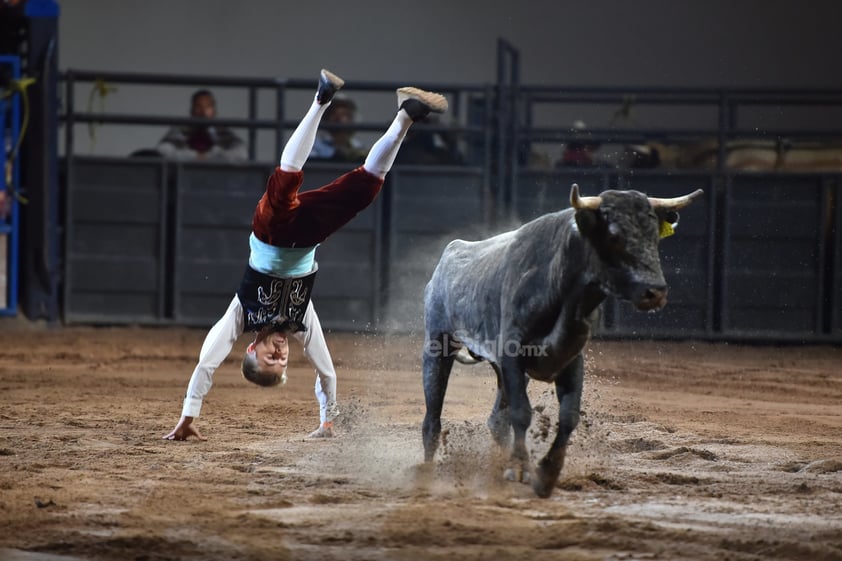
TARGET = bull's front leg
(520,416)
(437,363)
(569,393)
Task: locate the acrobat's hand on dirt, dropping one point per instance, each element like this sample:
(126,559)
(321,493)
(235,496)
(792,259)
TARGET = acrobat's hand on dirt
(183,430)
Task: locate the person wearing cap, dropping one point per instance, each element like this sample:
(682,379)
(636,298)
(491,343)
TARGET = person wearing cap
(273,300)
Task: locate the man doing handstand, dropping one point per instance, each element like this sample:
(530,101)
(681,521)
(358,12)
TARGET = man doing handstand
(274,295)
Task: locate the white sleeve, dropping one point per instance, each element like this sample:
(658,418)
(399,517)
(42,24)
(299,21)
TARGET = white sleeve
(174,146)
(172,153)
(234,154)
(217,346)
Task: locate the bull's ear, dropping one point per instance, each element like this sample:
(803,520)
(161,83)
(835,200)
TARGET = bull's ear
(667,222)
(587,221)
(669,216)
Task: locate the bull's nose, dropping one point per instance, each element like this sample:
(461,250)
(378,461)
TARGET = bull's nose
(652,298)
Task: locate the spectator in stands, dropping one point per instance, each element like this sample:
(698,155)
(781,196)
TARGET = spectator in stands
(425,146)
(273,299)
(581,152)
(339,145)
(205,141)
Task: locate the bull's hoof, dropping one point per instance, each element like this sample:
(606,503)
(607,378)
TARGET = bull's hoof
(424,473)
(427,469)
(501,431)
(545,479)
(543,488)
(517,475)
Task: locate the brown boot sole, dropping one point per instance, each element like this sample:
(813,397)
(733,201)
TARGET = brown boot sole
(335,80)
(435,101)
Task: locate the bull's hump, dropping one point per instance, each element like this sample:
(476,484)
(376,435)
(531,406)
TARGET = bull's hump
(462,249)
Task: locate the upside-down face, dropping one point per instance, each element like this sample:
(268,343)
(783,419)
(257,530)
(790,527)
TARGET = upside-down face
(272,351)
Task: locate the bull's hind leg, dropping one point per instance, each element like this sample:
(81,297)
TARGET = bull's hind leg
(569,393)
(520,415)
(499,422)
(438,361)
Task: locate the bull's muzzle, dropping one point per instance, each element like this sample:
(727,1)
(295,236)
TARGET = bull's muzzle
(649,298)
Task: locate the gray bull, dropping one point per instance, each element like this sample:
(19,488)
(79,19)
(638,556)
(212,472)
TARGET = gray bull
(523,301)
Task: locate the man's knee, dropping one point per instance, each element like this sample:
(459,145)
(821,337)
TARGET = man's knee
(364,185)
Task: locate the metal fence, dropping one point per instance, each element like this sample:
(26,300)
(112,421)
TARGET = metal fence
(152,242)
(10,132)
(759,258)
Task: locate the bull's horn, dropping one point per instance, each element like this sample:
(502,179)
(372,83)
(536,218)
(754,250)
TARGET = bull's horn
(676,202)
(577,202)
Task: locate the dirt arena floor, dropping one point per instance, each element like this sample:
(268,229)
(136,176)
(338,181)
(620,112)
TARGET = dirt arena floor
(686,451)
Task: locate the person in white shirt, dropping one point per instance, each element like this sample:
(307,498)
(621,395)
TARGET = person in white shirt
(203,142)
(274,296)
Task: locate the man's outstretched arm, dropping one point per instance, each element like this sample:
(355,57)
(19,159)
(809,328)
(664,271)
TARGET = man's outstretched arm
(217,346)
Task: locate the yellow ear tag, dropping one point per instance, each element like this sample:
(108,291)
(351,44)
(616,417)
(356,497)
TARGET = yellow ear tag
(667,229)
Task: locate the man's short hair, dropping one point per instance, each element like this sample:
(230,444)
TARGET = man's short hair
(199,93)
(252,373)
(340,101)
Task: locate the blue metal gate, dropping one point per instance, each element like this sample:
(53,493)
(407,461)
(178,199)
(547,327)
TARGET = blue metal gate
(10,116)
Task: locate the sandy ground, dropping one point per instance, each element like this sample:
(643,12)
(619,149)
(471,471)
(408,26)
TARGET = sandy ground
(686,451)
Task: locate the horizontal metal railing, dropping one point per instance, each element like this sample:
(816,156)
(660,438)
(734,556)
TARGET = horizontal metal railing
(501,120)
(73,78)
